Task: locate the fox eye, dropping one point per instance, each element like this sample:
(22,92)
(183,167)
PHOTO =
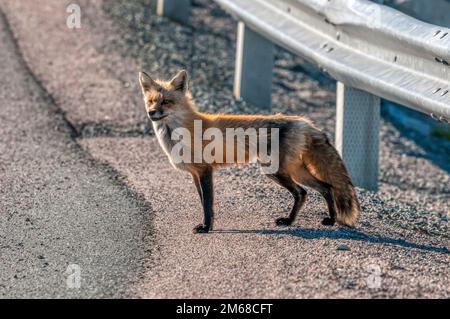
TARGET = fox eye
(165,102)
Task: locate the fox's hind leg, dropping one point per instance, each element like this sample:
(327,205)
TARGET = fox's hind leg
(298,192)
(324,189)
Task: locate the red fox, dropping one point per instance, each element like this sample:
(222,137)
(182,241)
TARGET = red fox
(305,156)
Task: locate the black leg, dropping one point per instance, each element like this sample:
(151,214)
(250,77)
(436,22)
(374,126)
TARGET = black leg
(329,221)
(325,190)
(299,194)
(205,188)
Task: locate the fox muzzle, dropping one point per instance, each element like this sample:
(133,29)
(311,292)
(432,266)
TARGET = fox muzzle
(156,115)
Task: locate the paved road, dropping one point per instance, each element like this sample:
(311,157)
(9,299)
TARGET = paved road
(247,256)
(57,206)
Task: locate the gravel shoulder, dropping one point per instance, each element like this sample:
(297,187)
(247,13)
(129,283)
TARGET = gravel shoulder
(58,208)
(405,227)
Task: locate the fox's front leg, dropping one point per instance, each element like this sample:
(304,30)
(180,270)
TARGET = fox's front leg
(203,181)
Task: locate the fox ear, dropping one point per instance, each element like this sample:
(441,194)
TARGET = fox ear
(147,82)
(180,81)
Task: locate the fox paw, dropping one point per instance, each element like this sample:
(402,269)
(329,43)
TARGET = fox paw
(201,229)
(327,221)
(283,221)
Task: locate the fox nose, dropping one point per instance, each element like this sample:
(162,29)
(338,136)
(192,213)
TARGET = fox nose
(152,112)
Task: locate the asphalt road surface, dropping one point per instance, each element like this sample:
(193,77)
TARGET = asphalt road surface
(81,186)
(60,212)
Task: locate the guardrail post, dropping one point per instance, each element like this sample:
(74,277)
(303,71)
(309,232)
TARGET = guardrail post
(177,10)
(254,67)
(357,134)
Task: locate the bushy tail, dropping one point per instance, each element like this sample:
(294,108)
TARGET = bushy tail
(324,163)
(346,203)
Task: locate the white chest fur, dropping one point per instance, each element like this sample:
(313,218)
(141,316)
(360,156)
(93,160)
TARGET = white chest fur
(164,135)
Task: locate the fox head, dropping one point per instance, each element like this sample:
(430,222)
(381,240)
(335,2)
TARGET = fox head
(165,99)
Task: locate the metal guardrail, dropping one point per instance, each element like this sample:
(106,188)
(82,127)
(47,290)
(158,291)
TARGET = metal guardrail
(362,44)
(372,50)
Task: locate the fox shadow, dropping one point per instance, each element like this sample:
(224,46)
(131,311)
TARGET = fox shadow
(341,234)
